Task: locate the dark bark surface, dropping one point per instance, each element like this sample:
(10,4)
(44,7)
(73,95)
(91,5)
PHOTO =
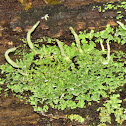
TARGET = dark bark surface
(62,17)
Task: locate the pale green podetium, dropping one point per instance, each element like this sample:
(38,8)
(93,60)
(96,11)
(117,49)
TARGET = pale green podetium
(8,58)
(31,30)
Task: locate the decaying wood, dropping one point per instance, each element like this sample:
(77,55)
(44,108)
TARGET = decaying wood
(62,17)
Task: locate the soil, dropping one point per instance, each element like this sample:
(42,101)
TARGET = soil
(14,24)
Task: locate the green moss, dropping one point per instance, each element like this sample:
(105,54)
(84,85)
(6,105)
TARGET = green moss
(120,5)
